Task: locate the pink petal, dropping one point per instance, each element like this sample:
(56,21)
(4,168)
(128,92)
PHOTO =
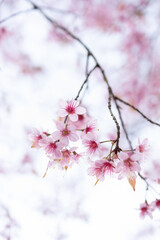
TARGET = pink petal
(73,117)
(62,113)
(62,103)
(73,137)
(80,110)
(123,156)
(56,135)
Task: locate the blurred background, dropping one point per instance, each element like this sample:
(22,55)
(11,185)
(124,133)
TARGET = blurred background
(39,65)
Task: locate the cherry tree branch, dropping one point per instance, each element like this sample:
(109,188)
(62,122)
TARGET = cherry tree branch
(85,81)
(137,110)
(16,14)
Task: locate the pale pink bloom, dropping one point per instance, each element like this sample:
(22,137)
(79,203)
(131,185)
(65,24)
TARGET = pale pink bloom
(53,147)
(145,209)
(65,133)
(91,127)
(100,167)
(92,144)
(142,149)
(67,157)
(37,138)
(127,166)
(71,109)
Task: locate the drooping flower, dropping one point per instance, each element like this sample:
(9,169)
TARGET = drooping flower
(71,109)
(52,147)
(91,127)
(37,138)
(145,209)
(100,167)
(127,166)
(142,149)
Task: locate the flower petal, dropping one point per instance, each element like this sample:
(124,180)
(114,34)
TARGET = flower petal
(73,117)
(80,110)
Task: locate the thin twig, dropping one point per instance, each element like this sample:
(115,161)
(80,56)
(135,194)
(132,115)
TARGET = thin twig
(115,120)
(85,81)
(137,110)
(16,14)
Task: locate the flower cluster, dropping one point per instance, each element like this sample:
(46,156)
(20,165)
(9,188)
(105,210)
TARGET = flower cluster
(75,125)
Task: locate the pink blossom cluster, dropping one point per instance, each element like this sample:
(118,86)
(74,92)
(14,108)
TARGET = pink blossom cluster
(146,209)
(75,125)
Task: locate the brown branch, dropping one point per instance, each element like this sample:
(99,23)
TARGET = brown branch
(137,110)
(115,120)
(16,14)
(85,81)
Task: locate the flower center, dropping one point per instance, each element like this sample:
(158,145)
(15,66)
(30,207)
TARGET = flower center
(141,148)
(53,145)
(65,132)
(70,109)
(93,145)
(66,154)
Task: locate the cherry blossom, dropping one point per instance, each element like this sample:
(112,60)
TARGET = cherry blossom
(65,133)
(142,149)
(52,147)
(146,209)
(37,138)
(100,167)
(92,144)
(71,109)
(127,166)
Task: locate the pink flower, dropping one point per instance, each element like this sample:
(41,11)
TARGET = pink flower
(71,109)
(127,166)
(145,209)
(142,149)
(37,138)
(53,147)
(92,144)
(91,127)
(65,133)
(100,168)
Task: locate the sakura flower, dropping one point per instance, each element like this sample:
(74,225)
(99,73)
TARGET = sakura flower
(91,127)
(71,109)
(142,149)
(145,209)
(65,133)
(127,166)
(53,147)
(92,144)
(100,167)
(66,157)
(37,138)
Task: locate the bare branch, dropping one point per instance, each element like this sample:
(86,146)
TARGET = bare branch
(16,14)
(85,81)
(137,110)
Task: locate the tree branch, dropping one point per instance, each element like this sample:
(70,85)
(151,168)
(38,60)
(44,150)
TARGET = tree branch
(137,110)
